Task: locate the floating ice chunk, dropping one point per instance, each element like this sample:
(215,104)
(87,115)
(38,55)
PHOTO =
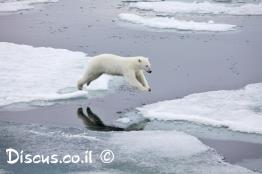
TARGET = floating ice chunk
(135,152)
(169,152)
(172,23)
(13,6)
(200,7)
(161,143)
(239,110)
(38,74)
(123,120)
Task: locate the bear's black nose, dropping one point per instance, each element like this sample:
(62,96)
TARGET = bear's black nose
(149,71)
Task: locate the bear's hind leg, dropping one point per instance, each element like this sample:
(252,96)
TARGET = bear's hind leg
(87,79)
(80,84)
(92,77)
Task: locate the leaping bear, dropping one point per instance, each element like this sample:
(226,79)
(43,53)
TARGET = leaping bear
(129,67)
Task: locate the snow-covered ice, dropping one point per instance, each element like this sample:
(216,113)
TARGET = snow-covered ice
(161,143)
(17,5)
(169,152)
(135,152)
(200,7)
(42,74)
(172,23)
(238,110)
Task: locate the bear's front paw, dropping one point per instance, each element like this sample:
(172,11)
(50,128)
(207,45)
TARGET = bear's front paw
(147,89)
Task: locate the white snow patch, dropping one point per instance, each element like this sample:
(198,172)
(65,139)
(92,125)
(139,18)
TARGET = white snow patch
(39,74)
(239,110)
(200,7)
(172,23)
(13,6)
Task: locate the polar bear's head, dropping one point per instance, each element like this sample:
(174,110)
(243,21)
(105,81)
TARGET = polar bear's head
(144,64)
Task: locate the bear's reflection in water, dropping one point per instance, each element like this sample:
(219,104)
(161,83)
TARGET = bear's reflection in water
(93,122)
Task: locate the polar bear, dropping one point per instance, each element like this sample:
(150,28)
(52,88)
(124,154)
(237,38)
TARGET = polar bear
(129,67)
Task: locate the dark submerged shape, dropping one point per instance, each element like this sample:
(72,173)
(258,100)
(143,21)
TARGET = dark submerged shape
(93,122)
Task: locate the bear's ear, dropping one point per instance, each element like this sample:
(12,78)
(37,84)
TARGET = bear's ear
(139,60)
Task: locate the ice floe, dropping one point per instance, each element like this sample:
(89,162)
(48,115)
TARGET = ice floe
(42,74)
(169,152)
(238,110)
(161,143)
(17,5)
(172,23)
(200,7)
(135,152)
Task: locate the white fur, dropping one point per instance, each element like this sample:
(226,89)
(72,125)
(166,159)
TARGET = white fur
(129,67)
